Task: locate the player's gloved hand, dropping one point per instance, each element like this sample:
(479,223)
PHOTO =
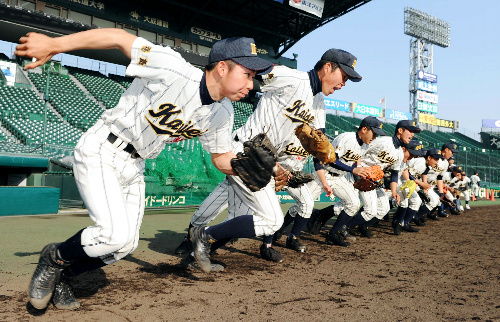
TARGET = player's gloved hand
(316,143)
(410,185)
(255,166)
(281,177)
(361,171)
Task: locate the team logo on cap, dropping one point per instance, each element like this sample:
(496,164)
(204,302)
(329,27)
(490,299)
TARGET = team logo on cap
(354,64)
(254,49)
(413,123)
(419,147)
(381,124)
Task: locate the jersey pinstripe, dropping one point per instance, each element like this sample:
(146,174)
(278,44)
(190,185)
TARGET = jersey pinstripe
(163,105)
(440,168)
(287,102)
(383,152)
(348,151)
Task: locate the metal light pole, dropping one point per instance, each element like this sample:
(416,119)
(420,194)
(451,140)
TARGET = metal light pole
(425,31)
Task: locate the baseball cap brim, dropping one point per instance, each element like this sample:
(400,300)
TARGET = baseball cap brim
(413,128)
(437,156)
(353,75)
(378,131)
(415,153)
(259,65)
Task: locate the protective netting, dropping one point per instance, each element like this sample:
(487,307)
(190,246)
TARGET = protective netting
(183,166)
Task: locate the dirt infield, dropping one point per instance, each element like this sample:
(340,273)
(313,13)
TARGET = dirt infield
(449,270)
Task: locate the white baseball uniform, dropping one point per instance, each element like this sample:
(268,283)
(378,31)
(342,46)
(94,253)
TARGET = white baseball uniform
(287,102)
(440,169)
(417,167)
(382,151)
(293,156)
(167,102)
(475,184)
(462,186)
(349,149)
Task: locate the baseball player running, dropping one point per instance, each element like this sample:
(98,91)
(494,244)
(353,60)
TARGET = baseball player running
(384,151)
(293,157)
(435,178)
(337,179)
(169,101)
(459,185)
(287,102)
(407,184)
(475,184)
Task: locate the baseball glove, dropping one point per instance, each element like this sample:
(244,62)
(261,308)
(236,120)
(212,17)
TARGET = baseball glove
(370,183)
(293,179)
(315,143)
(423,196)
(255,165)
(281,177)
(363,184)
(410,185)
(299,178)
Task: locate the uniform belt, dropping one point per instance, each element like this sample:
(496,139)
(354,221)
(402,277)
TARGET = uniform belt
(129,148)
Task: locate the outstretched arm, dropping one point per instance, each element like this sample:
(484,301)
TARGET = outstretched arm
(43,48)
(222,161)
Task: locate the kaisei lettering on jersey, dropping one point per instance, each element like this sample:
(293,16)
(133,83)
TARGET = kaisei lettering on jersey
(385,157)
(166,125)
(350,155)
(297,113)
(290,149)
(437,168)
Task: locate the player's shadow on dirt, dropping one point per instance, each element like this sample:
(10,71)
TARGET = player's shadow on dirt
(163,269)
(165,241)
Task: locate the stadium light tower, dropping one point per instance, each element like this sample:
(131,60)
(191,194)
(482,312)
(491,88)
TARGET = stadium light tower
(425,31)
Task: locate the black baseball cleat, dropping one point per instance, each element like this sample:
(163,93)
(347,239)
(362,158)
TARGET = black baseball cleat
(410,229)
(270,254)
(443,214)
(277,235)
(185,247)
(46,277)
(364,231)
(201,247)
(294,243)
(64,298)
(418,221)
(311,223)
(397,227)
(189,262)
(334,238)
(434,216)
(346,235)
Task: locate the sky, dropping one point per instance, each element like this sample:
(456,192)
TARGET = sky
(468,70)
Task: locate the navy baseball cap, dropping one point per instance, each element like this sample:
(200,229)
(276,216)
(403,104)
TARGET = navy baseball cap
(451,146)
(374,123)
(409,125)
(345,60)
(243,51)
(456,169)
(415,147)
(434,153)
